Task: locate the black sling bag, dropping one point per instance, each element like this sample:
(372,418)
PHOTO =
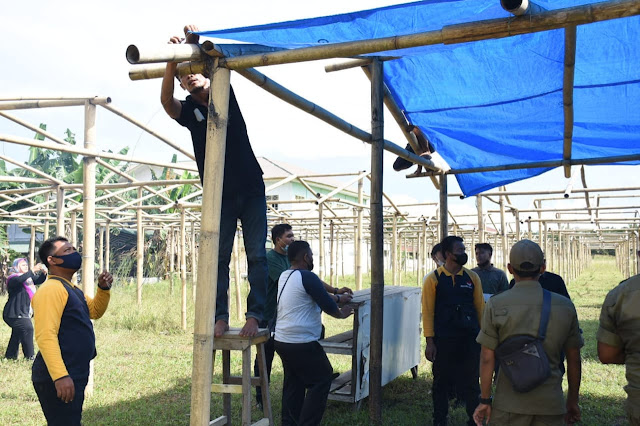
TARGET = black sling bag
(522,358)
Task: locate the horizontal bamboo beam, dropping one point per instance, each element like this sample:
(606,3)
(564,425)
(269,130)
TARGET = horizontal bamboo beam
(317,111)
(85,152)
(11,105)
(163,53)
(20,179)
(136,184)
(552,192)
(538,164)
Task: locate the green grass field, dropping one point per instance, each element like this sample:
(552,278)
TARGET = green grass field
(143,368)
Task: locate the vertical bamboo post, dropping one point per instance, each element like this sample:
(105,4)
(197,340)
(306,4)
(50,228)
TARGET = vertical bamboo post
(321,261)
(418,258)
(172,258)
(517,217)
(394,251)
(377,241)
(32,247)
(194,267)
(529,234)
(332,254)
(74,238)
(183,268)
(107,246)
(139,250)
(496,249)
(237,279)
(444,208)
(425,250)
(89,213)
(480,219)
(342,257)
(47,231)
(503,232)
(209,247)
(60,211)
(101,249)
(358,272)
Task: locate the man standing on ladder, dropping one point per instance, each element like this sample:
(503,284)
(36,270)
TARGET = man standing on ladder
(243,191)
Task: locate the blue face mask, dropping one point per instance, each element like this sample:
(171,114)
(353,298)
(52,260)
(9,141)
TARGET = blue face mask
(70,261)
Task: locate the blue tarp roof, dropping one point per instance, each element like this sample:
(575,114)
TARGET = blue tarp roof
(493,102)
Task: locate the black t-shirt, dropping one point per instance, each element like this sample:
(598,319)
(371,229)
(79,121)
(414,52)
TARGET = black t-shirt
(552,282)
(242,173)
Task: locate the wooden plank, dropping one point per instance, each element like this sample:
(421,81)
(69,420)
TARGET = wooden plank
(340,381)
(246,386)
(262,422)
(237,380)
(339,338)
(337,348)
(225,388)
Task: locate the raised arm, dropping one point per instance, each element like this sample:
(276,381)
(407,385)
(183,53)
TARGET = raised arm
(171,105)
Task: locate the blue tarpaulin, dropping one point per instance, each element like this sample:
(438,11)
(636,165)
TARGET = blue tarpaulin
(493,102)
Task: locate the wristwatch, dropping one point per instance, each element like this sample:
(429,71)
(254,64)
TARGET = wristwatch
(485,401)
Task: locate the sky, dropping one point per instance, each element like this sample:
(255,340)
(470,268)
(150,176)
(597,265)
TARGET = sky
(77,48)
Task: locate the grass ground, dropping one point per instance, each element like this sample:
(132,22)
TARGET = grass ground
(143,368)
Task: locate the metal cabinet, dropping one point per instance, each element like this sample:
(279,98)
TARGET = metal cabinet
(401,341)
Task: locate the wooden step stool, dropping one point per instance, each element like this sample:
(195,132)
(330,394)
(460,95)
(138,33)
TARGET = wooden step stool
(232,341)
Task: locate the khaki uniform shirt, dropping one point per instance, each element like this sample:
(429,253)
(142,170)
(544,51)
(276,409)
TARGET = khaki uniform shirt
(620,327)
(515,312)
(494,280)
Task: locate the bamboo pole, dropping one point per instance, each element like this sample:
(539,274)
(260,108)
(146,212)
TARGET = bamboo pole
(30,104)
(89,195)
(194,262)
(450,34)
(74,238)
(358,250)
(60,211)
(237,279)
(139,251)
(567,92)
(503,233)
(321,261)
(172,257)
(32,246)
(394,251)
(29,168)
(480,219)
(332,254)
(87,153)
(163,53)
(444,208)
(209,249)
(183,269)
(101,249)
(377,241)
(107,245)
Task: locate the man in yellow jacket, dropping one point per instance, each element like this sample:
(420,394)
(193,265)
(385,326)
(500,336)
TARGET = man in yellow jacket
(64,333)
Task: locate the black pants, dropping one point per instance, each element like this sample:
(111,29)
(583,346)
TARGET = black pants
(307,380)
(269,352)
(21,333)
(57,412)
(457,361)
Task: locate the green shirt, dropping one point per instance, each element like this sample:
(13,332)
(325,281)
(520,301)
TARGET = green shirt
(515,312)
(277,263)
(620,327)
(494,280)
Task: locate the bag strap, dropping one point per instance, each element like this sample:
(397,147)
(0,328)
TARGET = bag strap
(283,286)
(544,316)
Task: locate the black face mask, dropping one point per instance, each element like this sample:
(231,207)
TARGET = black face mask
(461,259)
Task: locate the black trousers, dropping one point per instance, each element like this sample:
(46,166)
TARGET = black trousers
(57,412)
(269,352)
(307,380)
(21,333)
(458,362)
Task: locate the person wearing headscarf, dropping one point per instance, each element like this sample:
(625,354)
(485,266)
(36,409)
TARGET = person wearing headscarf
(17,313)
